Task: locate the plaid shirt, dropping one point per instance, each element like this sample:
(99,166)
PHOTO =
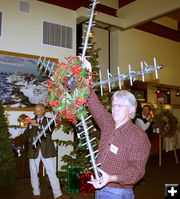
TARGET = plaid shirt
(131,143)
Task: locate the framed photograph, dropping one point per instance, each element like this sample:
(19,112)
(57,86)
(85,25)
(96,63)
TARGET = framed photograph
(22,84)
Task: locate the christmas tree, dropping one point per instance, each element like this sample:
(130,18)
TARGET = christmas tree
(7,161)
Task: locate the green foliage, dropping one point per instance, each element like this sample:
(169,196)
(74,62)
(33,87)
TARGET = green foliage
(83,73)
(81,113)
(7,161)
(93,54)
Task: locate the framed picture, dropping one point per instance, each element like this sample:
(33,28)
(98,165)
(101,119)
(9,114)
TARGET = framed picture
(22,84)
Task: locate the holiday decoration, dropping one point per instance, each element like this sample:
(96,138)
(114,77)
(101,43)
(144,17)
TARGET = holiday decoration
(166,123)
(17,150)
(84,187)
(69,89)
(27,120)
(7,161)
(73,173)
(22,120)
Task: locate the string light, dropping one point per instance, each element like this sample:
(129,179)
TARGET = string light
(168,92)
(177,93)
(157,91)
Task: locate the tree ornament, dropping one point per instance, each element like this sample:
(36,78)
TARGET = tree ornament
(80,144)
(23,120)
(73,156)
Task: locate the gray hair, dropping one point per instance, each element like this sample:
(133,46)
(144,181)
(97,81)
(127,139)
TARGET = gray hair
(128,98)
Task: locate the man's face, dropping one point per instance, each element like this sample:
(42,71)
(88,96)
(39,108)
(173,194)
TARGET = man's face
(120,111)
(39,111)
(146,111)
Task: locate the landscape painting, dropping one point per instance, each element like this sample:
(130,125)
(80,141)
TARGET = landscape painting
(21,82)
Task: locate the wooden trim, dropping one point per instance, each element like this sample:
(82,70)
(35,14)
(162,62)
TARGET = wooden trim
(174,106)
(23,109)
(160,30)
(27,55)
(106,10)
(75,4)
(177,106)
(163,86)
(122,3)
(179,26)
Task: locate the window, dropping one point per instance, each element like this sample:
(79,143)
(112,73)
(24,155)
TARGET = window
(57,35)
(0,24)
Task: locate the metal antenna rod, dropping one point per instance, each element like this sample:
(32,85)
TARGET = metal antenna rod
(93,162)
(89,28)
(43,132)
(127,75)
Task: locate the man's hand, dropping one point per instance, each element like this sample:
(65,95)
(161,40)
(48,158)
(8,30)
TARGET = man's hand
(150,120)
(33,123)
(105,179)
(86,63)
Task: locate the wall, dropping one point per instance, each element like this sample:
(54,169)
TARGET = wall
(22,32)
(168,22)
(133,46)
(102,41)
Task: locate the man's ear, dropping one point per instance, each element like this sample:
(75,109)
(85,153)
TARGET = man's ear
(132,109)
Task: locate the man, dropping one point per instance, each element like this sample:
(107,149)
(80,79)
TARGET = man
(44,151)
(145,122)
(123,147)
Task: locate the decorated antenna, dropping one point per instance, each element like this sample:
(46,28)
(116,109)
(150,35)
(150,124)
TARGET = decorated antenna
(89,146)
(85,132)
(90,24)
(68,89)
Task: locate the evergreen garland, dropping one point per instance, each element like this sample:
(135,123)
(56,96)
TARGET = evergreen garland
(7,159)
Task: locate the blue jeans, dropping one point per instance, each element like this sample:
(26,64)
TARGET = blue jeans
(114,193)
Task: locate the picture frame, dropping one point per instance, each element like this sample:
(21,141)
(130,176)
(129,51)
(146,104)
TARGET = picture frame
(22,84)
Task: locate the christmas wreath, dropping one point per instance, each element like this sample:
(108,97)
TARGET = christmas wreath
(167,123)
(68,89)
(22,120)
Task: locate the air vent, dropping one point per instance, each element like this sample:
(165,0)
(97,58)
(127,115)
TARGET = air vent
(24,7)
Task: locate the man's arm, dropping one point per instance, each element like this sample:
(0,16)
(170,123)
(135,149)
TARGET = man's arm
(141,124)
(97,110)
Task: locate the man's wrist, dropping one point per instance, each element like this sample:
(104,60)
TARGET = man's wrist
(113,178)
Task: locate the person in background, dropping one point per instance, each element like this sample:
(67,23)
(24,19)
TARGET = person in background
(45,151)
(145,121)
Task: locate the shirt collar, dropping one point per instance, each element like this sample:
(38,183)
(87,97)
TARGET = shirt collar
(40,119)
(145,117)
(124,125)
